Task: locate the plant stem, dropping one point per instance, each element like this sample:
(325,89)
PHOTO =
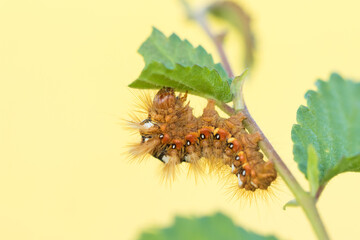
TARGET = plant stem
(201,19)
(306,201)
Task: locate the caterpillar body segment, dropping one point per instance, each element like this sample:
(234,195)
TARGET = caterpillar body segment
(172,134)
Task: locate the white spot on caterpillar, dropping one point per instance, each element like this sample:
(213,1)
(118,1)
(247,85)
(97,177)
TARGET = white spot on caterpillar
(240,182)
(148,125)
(146,139)
(232,168)
(165,159)
(252,183)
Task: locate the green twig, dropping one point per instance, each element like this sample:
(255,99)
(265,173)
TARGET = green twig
(306,201)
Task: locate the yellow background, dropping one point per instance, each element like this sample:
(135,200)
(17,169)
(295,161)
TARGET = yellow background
(64,71)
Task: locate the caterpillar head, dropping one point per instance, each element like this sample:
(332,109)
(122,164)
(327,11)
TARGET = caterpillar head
(150,139)
(159,144)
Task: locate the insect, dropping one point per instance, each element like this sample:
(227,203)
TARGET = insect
(173,135)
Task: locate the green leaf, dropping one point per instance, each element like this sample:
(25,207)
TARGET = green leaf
(235,15)
(313,170)
(175,63)
(291,203)
(331,124)
(350,164)
(214,227)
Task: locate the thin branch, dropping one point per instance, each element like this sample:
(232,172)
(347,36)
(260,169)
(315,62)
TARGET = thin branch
(217,40)
(200,18)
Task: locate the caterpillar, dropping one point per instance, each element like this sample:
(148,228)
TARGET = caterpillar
(173,135)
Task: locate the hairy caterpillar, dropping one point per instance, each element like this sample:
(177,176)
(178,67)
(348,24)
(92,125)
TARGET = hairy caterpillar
(172,134)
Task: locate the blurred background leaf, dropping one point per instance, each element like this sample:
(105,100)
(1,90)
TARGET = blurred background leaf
(213,227)
(236,16)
